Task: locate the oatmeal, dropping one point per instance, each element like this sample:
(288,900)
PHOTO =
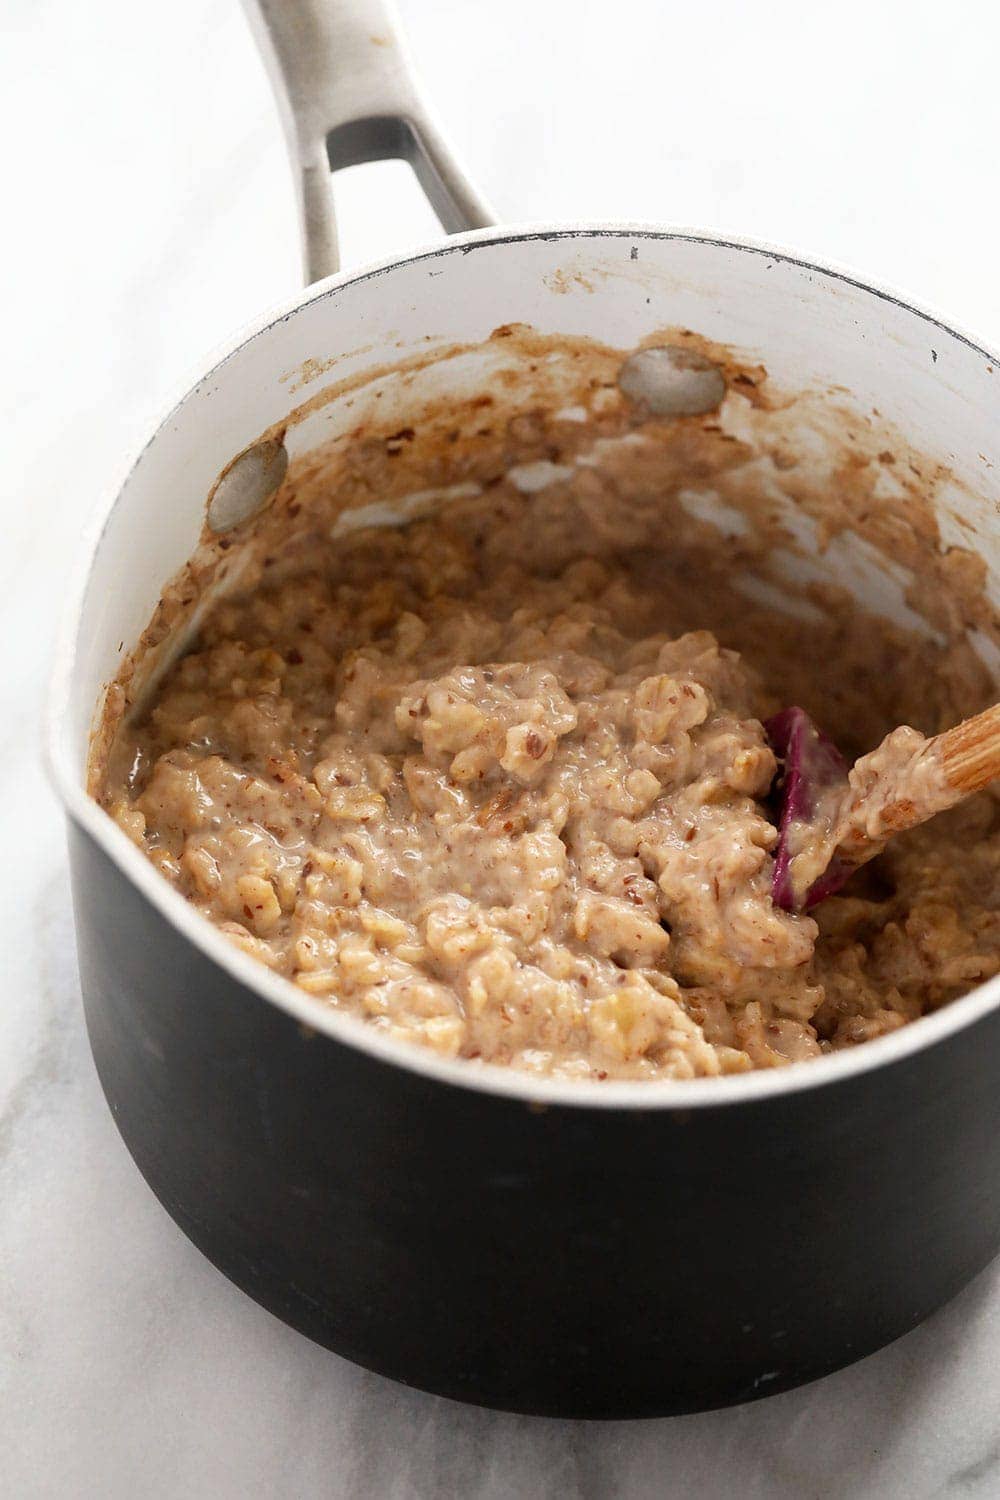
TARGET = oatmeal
(480,786)
(496,780)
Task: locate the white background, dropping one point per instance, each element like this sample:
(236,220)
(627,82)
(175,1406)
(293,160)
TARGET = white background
(148,212)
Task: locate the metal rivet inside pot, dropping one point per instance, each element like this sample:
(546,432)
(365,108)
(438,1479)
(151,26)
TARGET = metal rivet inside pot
(671,381)
(247,483)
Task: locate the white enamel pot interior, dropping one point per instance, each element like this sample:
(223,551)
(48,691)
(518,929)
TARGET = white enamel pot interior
(813,328)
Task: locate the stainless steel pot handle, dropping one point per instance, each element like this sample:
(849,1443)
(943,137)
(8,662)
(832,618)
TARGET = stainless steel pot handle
(347,94)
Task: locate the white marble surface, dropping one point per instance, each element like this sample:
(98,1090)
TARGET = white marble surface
(148,212)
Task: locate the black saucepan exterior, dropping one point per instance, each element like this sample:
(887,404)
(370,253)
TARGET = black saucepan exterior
(571,1261)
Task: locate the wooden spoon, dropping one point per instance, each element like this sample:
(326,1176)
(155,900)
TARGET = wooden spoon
(832,820)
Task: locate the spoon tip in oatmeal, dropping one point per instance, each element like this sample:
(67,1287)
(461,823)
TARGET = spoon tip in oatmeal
(831,820)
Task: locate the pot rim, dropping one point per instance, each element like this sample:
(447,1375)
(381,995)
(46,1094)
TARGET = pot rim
(491,1078)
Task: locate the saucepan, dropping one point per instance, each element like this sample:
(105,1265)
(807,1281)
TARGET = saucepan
(626,1250)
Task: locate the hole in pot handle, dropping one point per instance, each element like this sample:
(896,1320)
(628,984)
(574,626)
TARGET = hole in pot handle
(347,95)
(246,484)
(668,380)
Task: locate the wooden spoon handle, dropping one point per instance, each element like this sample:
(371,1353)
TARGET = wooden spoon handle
(908,780)
(970,753)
